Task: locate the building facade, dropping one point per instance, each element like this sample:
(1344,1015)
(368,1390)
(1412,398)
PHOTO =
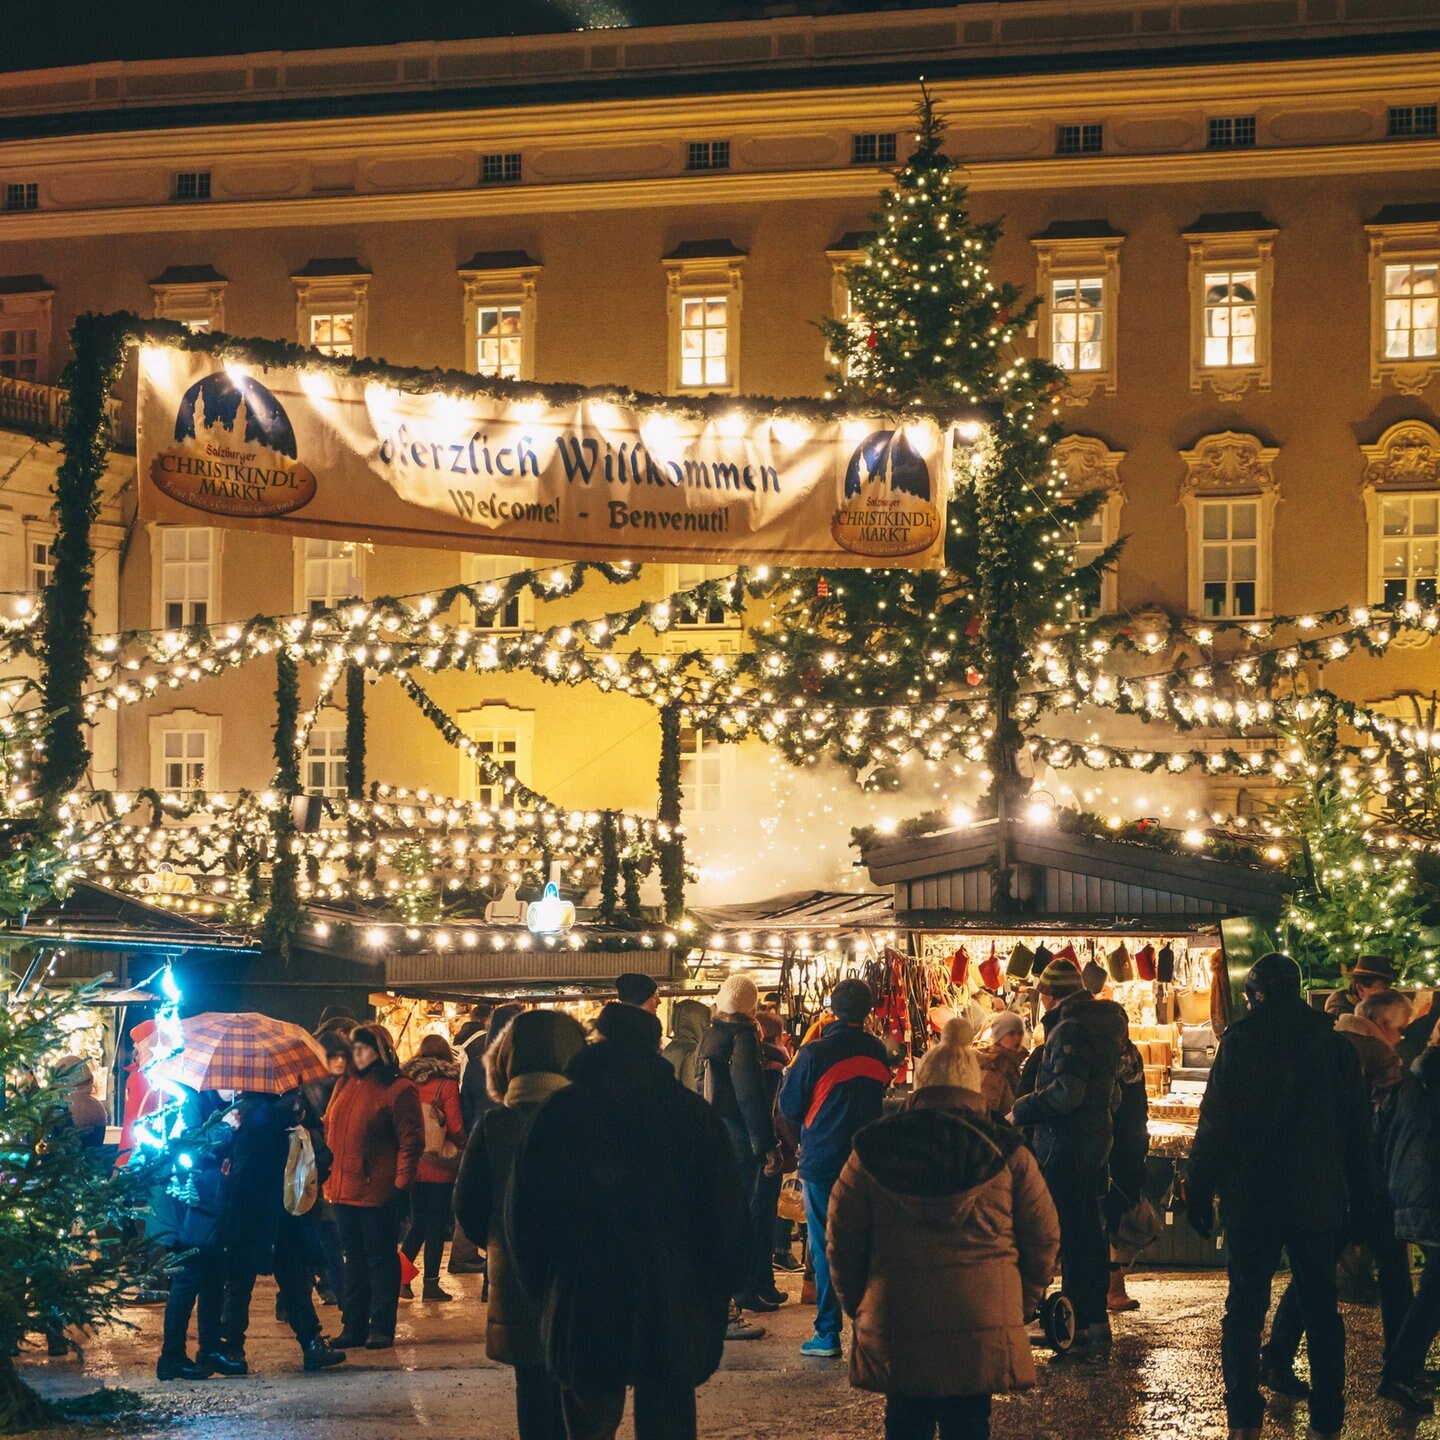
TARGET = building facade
(1230,213)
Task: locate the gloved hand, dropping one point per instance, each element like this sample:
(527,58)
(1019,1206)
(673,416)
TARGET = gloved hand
(1200,1212)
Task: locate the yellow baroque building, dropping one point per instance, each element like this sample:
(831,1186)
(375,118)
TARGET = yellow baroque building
(1230,211)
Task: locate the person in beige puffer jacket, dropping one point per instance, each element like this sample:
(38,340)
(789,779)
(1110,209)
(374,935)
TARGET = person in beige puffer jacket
(942,1239)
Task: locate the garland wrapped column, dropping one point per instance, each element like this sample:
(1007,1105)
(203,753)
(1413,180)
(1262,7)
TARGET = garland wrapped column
(672,834)
(609,868)
(283,919)
(99,344)
(354,757)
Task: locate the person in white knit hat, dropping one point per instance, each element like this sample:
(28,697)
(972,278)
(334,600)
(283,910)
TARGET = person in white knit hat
(942,1239)
(731,1075)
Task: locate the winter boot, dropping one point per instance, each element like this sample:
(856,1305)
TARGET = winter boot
(1117,1300)
(431,1290)
(407,1291)
(181,1367)
(320,1356)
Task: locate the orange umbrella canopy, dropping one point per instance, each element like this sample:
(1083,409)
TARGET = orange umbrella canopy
(243,1052)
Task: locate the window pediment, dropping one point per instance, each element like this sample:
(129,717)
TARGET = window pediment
(1407,456)
(1229,463)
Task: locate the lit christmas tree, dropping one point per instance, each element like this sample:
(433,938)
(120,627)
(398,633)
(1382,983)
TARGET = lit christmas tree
(929,326)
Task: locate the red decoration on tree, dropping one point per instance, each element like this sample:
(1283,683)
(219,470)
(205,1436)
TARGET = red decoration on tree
(1002,315)
(822,589)
(872,340)
(972,626)
(812,680)
(972,675)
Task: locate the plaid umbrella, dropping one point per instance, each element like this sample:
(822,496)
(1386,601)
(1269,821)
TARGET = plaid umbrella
(243,1052)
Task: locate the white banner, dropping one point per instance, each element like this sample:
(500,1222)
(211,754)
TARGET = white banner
(307,453)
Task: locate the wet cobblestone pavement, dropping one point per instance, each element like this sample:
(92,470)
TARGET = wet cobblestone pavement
(1162,1382)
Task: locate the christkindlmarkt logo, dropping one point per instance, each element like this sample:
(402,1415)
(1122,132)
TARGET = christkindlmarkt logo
(234,451)
(888,507)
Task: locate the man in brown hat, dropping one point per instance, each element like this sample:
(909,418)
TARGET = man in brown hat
(1371,975)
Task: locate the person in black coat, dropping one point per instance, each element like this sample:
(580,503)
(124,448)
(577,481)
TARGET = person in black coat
(730,1071)
(629,1230)
(1284,1141)
(1410,1152)
(1069,1110)
(1130,1126)
(476,1037)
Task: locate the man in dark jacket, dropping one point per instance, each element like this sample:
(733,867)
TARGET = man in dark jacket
(629,1230)
(474,1039)
(1070,1106)
(836,1085)
(1284,1140)
(731,1078)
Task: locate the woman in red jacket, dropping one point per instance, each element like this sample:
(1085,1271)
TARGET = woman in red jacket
(374,1129)
(436,1075)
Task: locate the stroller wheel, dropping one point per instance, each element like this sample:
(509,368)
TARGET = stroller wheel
(1057,1320)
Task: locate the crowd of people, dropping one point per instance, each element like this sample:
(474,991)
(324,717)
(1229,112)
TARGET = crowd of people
(621,1192)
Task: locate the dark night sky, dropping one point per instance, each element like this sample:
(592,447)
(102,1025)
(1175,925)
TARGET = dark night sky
(67,32)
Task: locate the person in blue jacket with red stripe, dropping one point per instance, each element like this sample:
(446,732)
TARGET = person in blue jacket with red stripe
(836,1085)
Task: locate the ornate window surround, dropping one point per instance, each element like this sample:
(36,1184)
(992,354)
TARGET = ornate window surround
(1233,240)
(25,303)
(191,294)
(705,267)
(332,287)
(1399,233)
(1404,461)
(1072,250)
(500,277)
(1230,466)
(844,255)
(1089,464)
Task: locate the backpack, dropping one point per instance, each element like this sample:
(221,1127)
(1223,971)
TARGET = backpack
(302,1174)
(439,1150)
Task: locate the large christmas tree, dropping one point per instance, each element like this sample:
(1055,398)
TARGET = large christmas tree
(929,325)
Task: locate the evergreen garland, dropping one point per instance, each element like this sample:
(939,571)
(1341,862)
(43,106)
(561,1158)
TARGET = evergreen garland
(282,920)
(355,762)
(609,868)
(672,833)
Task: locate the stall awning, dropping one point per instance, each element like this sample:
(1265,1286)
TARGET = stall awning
(949,877)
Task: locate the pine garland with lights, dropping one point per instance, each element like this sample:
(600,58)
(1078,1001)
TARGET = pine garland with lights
(672,841)
(931,329)
(282,919)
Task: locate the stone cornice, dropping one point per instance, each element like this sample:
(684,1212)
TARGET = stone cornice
(1048,173)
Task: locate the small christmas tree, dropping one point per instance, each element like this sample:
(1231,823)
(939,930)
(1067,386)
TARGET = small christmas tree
(929,326)
(1353,895)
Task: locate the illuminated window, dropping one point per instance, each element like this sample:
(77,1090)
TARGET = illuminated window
(704,773)
(687,577)
(186,576)
(483,571)
(42,564)
(1405,296)
(192,294)
(1229,558)
(704,291)
(500,291)
(1231,277)
(329,573)
(332,301)
(1078,279)
(1409,548)
(1412,310)
(325,761)
(185,760)
(500,340)
(1077,322)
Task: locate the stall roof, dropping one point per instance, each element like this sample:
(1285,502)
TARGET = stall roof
(803,910)
(948,878)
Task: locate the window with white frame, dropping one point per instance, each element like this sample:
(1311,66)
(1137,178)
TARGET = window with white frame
(844,256)
(704,773)
(41,563)
(1401,491)
(192,294)
(1229,495)
(1090,544)
(1087,464)
(185,760)
(484,572)
(1405,297)
(332,305)
(712,617)
(704,290)
(503,737)
(1078,279)
(1229,558)
(500,290)
(327,573)
(24,327)
(1409,548)
(186,576)
(1231,276)
(324,765)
